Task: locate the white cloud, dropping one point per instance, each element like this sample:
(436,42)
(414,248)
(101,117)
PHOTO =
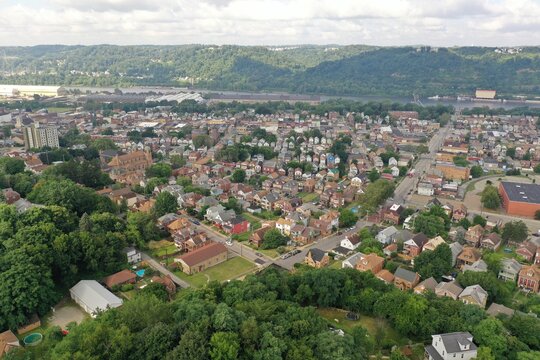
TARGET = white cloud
(382,22)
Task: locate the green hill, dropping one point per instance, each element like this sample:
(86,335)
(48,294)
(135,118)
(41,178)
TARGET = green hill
(331,70)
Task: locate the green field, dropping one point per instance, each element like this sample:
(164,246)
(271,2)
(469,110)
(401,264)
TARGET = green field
(309,197)
(161,248)
(228,270)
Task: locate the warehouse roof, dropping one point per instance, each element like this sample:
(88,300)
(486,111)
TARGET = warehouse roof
(95,296)
(529,193)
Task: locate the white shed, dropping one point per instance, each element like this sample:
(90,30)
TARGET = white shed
(93,297)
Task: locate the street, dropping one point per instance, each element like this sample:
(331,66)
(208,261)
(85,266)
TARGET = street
(422,165)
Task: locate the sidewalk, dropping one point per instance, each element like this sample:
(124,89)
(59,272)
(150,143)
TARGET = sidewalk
(163,270)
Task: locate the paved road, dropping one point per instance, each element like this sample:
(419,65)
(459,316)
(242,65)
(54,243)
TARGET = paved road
(422,165)
(327,243)
(163,270)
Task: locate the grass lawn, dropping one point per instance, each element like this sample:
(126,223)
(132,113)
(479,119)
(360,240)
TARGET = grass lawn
(308,197)
(371,324)
(228,270)
(335,264)
(252,219)
(161,248)
(53,109)
(242,237)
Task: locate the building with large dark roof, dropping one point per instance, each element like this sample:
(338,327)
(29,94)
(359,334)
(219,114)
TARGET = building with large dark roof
(520,198)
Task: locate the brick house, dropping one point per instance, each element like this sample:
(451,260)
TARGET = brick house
(413,247)
(405,279)
(120,278)
(393,214)
(317,258)
(236,225)
(529,278)
(370,262)
(202,258)
(527,250)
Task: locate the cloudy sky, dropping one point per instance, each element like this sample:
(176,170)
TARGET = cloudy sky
(271,22)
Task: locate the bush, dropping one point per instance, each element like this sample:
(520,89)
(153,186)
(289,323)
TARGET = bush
(127,287)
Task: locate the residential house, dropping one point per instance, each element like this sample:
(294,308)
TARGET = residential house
(317,258)
(350,242)
(385,276)
(426,189)
(120,278)
(474,295)
(496,309)
(8,342)
(451,346)
(405,279)
(468,256)
(414,246)
(352,261)
(427,285)
(387,235)
(269,200)
(202,258)
(219,215)
(449,289)
(393,214)
(477,266)
(529,278)
(308,234)
(491,242)
(236,225)
(510,269)
(527,250)
(456,249)
(133,255)
(284,226)
(165,220)
(433,243)
(474,235)
(460,213)
(370,262)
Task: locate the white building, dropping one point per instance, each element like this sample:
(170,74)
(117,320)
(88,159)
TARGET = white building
(458,345)
(36,136)
(426,189)
(93,297)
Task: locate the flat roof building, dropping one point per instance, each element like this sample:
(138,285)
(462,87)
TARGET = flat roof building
(520,199)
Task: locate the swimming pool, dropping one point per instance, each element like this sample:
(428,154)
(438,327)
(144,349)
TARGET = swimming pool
(140,273)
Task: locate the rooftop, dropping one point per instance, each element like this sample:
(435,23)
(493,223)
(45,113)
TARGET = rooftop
(529,193)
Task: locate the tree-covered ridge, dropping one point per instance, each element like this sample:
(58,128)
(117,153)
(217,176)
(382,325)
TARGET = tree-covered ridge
(332,70)
(271,316)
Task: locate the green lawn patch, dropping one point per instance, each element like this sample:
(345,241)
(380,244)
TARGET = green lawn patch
(162,248)
(228,270)
(309,197)
(252,219)
(335,264)
(375,326)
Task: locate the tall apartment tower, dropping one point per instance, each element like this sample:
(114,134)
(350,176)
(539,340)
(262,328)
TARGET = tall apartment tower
(38,136)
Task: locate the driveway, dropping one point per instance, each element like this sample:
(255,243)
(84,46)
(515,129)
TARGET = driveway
(64,314)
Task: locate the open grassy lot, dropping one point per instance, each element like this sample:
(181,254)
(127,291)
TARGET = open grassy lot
(228,270)
(161,248)
(308,197)
(373,325)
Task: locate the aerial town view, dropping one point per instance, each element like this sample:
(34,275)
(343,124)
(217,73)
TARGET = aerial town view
(268,200)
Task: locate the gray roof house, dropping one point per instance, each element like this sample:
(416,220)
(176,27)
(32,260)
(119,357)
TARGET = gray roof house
(387,235)
(458,345)
(456,249)
(93,297)
(474,295)
(351,261)
(477,266)
(497,309)
(450,289)
(509,270)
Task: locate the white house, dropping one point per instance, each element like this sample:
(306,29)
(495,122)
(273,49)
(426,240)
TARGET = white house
(93,297)
(350,242)
(426,189)
(133,255)
(386,236)
(457,345)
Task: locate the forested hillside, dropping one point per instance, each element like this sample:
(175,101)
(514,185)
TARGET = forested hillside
(331,70)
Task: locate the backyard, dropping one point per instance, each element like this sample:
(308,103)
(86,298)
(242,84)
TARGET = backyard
(161,248)
(228,270)
(308,197)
